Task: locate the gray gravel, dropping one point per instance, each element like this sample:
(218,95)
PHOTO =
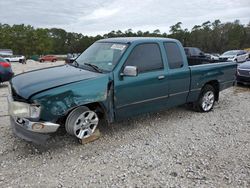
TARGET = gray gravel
(173,148)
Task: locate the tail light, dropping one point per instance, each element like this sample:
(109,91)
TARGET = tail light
(5,64)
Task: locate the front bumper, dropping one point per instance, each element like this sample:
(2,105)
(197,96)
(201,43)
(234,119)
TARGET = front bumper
(23,128)
(37,138)
(30,129)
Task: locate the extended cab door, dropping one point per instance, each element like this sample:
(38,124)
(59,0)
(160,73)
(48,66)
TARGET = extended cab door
(178,74)
(146,92)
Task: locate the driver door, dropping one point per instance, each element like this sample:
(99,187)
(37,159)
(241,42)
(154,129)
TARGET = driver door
(146,92)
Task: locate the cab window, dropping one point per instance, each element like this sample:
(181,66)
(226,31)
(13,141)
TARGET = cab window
(146,57)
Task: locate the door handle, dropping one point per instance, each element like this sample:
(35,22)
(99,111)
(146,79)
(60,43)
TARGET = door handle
(161,77)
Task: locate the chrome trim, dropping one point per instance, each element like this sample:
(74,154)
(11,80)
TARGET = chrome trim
(227,82)
(153,99)
(130,71)
(223,63)
(174,94)
(161,77)
(27,124)
(197,89)
(147,100)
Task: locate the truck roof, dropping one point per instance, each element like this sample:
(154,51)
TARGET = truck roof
(136,39)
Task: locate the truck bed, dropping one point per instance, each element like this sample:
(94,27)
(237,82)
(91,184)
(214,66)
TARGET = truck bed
(201,61)
(223,72)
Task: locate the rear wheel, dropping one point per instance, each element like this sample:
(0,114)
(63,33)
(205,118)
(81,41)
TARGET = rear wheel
(81,122)
(206,99)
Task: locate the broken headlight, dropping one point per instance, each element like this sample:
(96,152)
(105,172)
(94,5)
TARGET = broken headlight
(20,109)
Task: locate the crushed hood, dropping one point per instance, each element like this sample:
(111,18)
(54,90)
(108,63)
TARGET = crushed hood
(29,83)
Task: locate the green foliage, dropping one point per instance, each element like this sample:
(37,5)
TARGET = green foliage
(210,37)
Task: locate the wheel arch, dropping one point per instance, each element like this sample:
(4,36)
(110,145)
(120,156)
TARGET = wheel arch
(216,85)
(99,107)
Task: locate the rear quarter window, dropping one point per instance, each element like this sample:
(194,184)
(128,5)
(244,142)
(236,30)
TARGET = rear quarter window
(174,57)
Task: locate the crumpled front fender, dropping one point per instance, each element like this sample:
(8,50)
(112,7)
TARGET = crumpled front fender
(57,102)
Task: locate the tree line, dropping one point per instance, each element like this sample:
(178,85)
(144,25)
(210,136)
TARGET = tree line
(211,37)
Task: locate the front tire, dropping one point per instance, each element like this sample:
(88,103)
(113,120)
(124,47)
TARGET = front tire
(81,122)
(206,99)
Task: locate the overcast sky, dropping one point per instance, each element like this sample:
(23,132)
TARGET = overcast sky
(92,17)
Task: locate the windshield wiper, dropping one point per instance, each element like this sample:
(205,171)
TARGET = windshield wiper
(94,67)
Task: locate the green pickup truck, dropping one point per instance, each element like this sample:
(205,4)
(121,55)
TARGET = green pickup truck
(113,79)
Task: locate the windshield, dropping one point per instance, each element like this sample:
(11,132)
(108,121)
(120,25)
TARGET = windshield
(234,52)
(103,56)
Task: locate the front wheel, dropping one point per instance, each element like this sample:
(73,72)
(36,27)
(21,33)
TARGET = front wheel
(81,122)
(206,99)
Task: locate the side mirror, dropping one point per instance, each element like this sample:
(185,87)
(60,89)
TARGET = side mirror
(130,71)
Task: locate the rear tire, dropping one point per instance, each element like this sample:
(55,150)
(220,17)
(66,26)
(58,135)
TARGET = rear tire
(81,122)
(206,99)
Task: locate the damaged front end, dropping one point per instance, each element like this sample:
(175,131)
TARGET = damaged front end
(33,118)
(24,118)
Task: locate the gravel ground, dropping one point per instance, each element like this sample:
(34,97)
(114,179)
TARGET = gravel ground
(173,148)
